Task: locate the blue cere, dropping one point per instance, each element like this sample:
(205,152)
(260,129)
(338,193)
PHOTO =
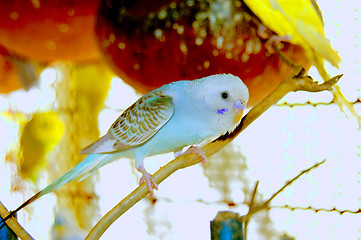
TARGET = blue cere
(222,110)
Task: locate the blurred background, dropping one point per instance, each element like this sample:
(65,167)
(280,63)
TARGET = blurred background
(69,68)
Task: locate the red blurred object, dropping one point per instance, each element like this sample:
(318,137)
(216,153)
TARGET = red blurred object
(9,79)
(49,30)
(149,45)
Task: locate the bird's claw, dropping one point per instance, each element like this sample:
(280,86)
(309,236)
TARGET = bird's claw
(275,41)
(199,152)
(149,181)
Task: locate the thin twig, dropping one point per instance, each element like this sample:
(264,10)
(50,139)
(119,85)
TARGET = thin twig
(254,194)
(265,205)
(292,180)
(246,220)
(292,83)
(14,225)
(316,210)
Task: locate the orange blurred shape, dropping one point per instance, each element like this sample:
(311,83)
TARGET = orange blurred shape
(49,30)
(9,79)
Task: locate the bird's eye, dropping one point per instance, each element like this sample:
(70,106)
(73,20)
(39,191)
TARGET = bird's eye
(224,95)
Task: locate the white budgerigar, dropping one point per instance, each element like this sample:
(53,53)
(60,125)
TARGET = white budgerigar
(165,120)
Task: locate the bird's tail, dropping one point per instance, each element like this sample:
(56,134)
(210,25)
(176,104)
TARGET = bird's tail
(346,107)
(83,168)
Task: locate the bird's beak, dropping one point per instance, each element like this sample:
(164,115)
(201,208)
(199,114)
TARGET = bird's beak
(239,106)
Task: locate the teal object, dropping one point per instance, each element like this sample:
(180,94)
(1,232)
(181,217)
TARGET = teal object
(227,226)
(6,233)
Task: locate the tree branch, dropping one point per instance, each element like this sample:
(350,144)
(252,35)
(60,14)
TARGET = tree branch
(265,205)
(293,83)
(13,224)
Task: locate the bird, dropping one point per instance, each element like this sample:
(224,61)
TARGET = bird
(38,137)
(168,119)
(300,22)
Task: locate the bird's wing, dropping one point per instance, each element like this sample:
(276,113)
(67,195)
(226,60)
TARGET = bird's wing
(135,125)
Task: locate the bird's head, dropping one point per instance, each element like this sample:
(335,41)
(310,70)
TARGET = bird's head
(227,96)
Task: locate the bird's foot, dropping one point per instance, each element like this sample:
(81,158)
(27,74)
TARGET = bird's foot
(148,179)
(262,31)
(199,152)
(276,40)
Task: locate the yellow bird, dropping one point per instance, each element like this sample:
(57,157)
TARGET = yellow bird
(300,22)
(38,136)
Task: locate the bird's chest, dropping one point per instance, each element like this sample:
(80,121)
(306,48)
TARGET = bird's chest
(188,126)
